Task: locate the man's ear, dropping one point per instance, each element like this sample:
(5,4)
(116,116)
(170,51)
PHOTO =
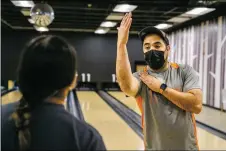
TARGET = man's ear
(168,47)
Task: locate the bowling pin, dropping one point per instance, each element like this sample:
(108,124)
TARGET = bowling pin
(10,84)
(83,77)
(113,78)
(88,77)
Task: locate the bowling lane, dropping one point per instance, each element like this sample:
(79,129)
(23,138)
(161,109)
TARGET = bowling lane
(207,141)
(128,101)
(116,134)
(11,97)
(208,116)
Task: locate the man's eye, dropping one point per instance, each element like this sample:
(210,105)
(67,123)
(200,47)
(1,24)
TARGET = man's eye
(157,47)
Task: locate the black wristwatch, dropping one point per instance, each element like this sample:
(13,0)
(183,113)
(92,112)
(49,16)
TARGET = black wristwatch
(162,88)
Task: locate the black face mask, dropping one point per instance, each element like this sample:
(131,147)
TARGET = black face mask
(155,59)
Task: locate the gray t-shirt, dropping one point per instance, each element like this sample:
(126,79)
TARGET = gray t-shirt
(165,125)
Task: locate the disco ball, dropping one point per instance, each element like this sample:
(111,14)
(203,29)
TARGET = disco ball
(42,15)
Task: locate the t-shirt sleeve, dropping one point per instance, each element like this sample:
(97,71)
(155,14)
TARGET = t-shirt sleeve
(190,79)
(136,75)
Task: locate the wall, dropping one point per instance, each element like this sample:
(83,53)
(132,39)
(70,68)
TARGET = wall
(198,46)
(204,48)
(96,53)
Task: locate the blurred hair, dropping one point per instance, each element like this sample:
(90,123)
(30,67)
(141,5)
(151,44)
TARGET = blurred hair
(47,65)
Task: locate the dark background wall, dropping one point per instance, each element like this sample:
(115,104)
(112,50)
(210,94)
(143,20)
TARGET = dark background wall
(96,53)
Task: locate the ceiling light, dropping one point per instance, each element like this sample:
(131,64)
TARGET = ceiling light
(31,21)
(115,16)
(124,8)
(89,5)
(207,2)
(199,11)
(178,19)
(163,26)
(25,12)
(108,24)
(200,1)
(41,28)
(23,3)
(101,30)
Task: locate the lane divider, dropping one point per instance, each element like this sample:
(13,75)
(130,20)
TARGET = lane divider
(78,106)
(129,117)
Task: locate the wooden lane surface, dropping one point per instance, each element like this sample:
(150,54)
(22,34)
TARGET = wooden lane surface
(116,134)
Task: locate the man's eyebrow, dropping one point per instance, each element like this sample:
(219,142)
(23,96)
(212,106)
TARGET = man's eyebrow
(157,43)
(146,44)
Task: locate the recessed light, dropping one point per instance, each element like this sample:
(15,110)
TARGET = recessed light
(23,3)
(25,11)
(115,16)
(199,11)
(108,24)
(102,30)
(124,8)
(163,26)
(31,21)
(41,28)
(178,19)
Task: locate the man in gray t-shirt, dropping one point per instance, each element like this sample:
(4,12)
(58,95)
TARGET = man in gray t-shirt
(168,94)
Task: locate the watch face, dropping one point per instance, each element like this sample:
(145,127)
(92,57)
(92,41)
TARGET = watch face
(163,86)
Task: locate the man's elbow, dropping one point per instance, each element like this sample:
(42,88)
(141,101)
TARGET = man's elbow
(198,108)
(125,89)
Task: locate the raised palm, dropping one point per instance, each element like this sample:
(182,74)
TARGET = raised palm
(123,30)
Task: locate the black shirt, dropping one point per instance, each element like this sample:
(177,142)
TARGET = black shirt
(52,128)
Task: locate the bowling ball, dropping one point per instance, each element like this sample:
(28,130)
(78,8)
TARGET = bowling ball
(42,14)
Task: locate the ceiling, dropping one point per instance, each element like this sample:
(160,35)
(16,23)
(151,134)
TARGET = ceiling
(87,15)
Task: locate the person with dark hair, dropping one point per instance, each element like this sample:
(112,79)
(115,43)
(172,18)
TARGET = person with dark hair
(168,94)
(46,73)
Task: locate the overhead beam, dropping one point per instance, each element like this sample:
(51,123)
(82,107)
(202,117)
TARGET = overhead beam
(70,29)
(6,23)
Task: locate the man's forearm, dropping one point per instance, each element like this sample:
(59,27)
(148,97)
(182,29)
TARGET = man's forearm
(123,68)
(184,100)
